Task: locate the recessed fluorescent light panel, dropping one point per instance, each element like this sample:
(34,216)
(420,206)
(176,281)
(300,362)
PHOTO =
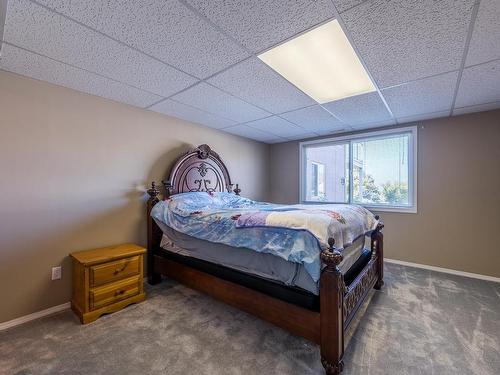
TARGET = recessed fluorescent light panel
(322,63)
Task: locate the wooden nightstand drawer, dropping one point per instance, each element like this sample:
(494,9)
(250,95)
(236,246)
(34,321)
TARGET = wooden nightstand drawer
(111,293)
(112,271)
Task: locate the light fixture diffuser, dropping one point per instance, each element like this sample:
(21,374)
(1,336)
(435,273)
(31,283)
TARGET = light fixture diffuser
(322,63)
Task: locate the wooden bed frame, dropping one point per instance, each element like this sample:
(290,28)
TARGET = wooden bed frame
(201,169)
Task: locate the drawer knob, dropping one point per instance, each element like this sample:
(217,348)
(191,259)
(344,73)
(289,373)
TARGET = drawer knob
(118,270)
(119,292)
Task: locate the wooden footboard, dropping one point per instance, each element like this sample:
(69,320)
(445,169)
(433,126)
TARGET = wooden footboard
(338,302)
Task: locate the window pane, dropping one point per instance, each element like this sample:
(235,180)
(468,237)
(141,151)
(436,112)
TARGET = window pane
(380,171)
(327,173)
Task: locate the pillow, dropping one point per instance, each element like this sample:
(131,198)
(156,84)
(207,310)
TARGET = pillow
(185,203)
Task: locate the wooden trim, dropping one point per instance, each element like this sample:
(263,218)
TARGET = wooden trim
(88,317)
(357,291)
(297,320)
(199,169)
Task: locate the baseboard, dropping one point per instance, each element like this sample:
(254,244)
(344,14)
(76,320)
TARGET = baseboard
(67,305)
(36,315)
(444,270)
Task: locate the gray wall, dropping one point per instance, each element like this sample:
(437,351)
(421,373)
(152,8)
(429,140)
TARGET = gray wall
(458,217)
(74,169)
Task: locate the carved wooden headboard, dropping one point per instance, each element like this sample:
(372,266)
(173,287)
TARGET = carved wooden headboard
(199,169)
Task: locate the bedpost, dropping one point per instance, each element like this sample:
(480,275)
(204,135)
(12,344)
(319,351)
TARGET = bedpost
(167,185)
(154,234)
(331,310)
(377,247)
(237,191)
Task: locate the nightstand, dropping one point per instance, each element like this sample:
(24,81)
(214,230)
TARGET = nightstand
(106,280)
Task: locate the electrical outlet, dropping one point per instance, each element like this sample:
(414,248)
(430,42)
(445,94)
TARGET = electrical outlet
(56,273)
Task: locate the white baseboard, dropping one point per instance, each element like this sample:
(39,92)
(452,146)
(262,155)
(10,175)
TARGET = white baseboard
(36,315)
(444,270)
(67,305)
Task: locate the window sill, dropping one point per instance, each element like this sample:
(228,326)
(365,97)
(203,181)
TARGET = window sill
(395,209)
(402,210)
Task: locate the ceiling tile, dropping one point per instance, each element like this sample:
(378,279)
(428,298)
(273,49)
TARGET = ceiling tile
(185,112)
(248,132)
(258,84)
(33,27)
(359,109)
(137,69)
(277,140)
(343,5)
(302,136)
(476,108)
(376,124)
(86,12)
(39,30)
(423,117)
(404,40)
(35,66)
(164,29)
(277,126)
(479,84)
(314,119)
(485,42)
(425,96)
(262,24)
(213,100)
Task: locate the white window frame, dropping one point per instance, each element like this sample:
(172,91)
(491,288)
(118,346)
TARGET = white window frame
(412,163)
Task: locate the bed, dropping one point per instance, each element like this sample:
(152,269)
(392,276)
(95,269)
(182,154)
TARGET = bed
(313,289)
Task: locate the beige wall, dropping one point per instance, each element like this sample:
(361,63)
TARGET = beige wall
(73,174)
(458,217)
(74,168)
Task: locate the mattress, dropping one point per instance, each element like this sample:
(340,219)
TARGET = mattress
(264,265)
(295,233)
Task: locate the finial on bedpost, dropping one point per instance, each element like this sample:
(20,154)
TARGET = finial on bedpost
(380,224)
(237,191)
(167,185)
(153,192)
(331,257)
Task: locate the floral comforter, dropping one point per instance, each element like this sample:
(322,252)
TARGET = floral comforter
(296,233)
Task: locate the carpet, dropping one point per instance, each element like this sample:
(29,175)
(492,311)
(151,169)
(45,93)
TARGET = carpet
(421,322)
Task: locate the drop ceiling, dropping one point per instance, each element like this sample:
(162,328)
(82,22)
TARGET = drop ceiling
(197,59)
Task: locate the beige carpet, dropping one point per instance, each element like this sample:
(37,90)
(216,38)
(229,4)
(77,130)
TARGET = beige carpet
(421,322)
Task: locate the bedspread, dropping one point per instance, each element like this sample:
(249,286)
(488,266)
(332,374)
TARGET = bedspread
(296,233)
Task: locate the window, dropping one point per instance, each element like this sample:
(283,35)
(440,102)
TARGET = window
(376,170)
